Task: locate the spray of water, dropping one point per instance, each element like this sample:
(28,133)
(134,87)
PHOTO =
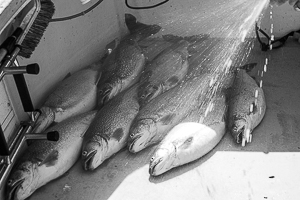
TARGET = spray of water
(230,27)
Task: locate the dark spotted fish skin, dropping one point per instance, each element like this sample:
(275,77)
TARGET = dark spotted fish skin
(164,72)
(45,160)
(161,114)
(124,65)
(109,131)
(242,97)
(152,47)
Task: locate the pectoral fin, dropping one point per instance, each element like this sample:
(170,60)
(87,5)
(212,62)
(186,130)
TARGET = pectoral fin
(51,159)
(186,143)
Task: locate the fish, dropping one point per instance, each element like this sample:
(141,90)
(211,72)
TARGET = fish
(109,131)
(164,72)
(161,114)
(74,95)
(124,65)
(152,47)
(44,160)
(247,107)
(194,137)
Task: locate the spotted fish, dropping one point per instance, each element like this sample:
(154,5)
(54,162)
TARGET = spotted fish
(124,65)
(109,131)
(74,95)
(164,72)
(161,114)
(194,137)
(247,107)
(44,160)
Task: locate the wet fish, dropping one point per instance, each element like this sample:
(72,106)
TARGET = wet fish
(161,114)
(164,72)
(247,107)
(74,95)
(124,65)
(109,132)
(44,161)
(153,46)
(198,134)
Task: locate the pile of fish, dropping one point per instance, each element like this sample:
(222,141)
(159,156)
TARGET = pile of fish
(139,94)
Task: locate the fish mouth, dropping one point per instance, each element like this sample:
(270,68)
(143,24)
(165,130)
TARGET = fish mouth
(132,144)
(88,160)
(153,165)
(104,95)
(14,188)
(238,133)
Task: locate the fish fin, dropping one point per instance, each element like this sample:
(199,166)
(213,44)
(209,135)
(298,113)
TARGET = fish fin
(171,82)
(167,119)
(67,76)
(255,79)
(112,45)
(51,159)
(99,78)
(139,29)
(186,143)
(172,38)
(131,22)
(196,38)
(248,67)
(118,134)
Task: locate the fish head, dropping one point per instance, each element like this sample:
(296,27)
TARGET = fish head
(238,128)
(93,154)
(162,160)
(45,119)
(142,134)
(106,92)
(22,182)
(148,93)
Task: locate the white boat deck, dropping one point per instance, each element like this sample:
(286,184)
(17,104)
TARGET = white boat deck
(267,168)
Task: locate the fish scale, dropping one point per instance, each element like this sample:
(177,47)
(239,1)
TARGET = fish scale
(172,106)
(112,124)
(74,95)
(241,118)
(44,160)
(192,138)
(164,72)
(124,65)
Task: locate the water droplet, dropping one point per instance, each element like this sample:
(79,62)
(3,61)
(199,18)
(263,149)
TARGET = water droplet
(251,108)
(256,93)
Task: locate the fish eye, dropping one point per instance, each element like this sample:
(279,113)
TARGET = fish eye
(84,153)
(100,92)
(131,135)
(9,182)
(152,159)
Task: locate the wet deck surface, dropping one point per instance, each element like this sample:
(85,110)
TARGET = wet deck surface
(267,168)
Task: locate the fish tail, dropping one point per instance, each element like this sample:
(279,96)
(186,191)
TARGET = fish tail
(140,30)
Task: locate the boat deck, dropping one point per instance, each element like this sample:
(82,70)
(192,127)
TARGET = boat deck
(267,168)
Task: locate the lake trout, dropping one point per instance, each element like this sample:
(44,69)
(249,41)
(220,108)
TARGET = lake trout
(164,72)
(153,46)
(109,131)
(124,65)
(161,114)
(74,95)
(194,137)
(247,107)
(45,160)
